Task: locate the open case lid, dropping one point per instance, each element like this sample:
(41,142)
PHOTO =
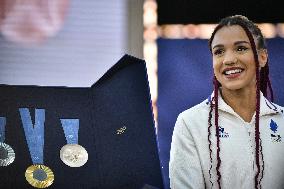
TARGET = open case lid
(116,128)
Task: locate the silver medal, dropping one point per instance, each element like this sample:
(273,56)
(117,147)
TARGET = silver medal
(73,155)
(7,154)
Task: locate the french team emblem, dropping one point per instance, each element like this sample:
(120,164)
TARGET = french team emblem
(222,133)
(275,136)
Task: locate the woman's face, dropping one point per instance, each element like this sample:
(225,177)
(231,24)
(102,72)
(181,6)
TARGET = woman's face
(233,60)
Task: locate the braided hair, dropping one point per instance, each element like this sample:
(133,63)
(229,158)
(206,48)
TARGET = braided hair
(263,84)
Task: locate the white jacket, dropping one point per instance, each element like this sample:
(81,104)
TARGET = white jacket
(189,156)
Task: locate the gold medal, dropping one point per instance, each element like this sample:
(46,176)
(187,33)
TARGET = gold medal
(73,155)
(7,154)
(39,176)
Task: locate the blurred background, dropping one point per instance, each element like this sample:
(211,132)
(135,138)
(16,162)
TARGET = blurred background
(73,43)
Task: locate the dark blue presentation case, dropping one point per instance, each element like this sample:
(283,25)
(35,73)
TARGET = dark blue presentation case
(116,128)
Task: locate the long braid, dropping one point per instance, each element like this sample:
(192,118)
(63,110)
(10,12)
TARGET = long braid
(270,90)
(216,85)
(265,82)
(262,172)
(216,88)
(215,105)
(209,141)
(257,141)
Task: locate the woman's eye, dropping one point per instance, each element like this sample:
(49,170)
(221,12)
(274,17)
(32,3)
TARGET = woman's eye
(218,52)
(241,48)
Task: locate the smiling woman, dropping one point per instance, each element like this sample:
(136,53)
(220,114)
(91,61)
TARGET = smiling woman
(242,149)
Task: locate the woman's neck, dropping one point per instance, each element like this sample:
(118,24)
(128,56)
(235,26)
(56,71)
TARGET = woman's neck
(242,101)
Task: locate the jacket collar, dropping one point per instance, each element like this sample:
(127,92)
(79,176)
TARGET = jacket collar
(266,107)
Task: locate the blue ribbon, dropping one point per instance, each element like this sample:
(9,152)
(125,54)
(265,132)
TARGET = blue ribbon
(2,128)
(34,133)
(71,129)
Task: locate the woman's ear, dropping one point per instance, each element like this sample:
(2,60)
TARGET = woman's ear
(262,57)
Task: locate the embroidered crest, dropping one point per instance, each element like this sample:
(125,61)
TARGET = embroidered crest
(222,133)
(273,126)
(275,137)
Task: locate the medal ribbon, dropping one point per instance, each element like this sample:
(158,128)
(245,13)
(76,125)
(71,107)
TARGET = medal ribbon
(34,133)
(2,129)
(71,129)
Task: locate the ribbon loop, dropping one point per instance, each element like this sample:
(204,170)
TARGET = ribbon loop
(34,133)
(71,129)
(2,129)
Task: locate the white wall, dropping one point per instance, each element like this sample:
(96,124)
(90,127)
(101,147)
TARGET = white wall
(95,35)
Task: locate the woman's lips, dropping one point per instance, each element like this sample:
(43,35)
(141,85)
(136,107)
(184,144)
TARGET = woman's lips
(232,73)
(233,76)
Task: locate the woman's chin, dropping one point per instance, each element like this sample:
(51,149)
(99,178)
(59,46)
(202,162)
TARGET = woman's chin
(233,86)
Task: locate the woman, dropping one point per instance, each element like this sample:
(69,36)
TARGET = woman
(232,139)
